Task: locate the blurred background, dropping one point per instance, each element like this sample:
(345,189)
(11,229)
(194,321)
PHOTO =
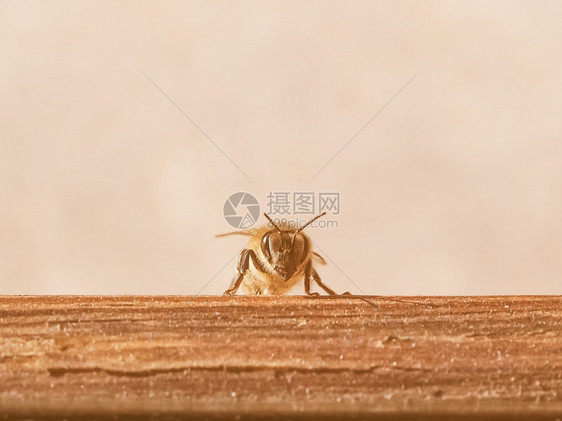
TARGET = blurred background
(106,187)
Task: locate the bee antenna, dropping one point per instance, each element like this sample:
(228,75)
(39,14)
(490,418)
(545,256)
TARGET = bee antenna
(310,222)
(272,223)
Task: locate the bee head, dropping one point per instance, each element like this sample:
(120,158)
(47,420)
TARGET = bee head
(286,250)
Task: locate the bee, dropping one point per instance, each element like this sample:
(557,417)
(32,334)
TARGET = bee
(276,259)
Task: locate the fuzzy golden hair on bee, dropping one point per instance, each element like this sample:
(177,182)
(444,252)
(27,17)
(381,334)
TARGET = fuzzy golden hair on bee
(277,257)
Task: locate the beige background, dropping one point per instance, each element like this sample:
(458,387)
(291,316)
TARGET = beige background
(455,188)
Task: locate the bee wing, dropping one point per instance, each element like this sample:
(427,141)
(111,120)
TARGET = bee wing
(248,233)
(317,258)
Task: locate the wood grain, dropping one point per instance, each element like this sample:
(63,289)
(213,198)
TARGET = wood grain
(174,357)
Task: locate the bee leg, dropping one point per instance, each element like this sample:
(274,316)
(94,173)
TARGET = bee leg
(307,271)
(243,265)
(321,285)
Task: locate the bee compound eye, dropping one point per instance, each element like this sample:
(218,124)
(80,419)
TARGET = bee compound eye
(304,248)
(265,246)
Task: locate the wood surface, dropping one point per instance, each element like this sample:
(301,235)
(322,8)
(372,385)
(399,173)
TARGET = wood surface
(291,357)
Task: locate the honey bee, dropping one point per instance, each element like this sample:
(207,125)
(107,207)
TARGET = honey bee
(276,259)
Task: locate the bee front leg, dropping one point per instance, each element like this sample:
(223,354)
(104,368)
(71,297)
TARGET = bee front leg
(307,271)
(243,265)
(321,285)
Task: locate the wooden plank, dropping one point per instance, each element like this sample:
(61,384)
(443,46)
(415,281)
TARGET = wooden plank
(174,357)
